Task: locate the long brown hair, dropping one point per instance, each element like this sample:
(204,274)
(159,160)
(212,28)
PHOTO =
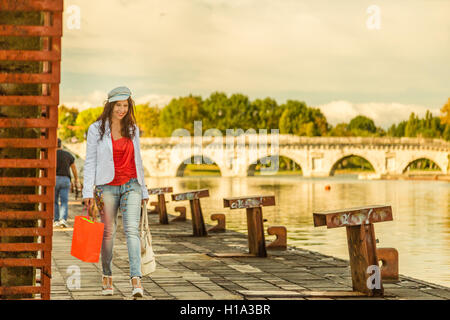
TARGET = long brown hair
(127,123)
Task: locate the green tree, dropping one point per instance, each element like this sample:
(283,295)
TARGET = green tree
(445,118)
(412,126)
(446,134)
(397,130)
(147,118)
(84,119)
(291,119)
(269,113)
(340,130)
(362,124)
(66,122)
(240,113)
(234,112)
(214,112)
(180,113)
(300,120)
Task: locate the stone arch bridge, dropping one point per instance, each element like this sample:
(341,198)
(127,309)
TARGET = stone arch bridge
(317,156)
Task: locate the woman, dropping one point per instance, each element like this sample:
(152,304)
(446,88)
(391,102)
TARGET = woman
(114,173)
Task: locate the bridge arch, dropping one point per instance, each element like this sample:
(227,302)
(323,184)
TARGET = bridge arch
(180,169)
(252,167)
(441,161)
(428,164)
(335,162)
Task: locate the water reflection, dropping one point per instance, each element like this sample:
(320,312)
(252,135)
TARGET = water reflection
(420,230)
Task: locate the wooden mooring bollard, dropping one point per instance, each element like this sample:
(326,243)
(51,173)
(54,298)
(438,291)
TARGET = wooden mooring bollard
(160,206)
(389,259)
(253,206)
(220,218)
(280,243)
(361,242)
(198,224)
(155,210)
(182,216)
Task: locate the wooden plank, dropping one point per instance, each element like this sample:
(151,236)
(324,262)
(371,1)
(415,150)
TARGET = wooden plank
(190,195)
(30,55)
(21,182)
(19,232)
(26,143)
(248,202)
(160,190)
(24,198)
(16,247)
(26,163)
(31,5)
(27,123)
(30,77)
(352,216)
(25,215)
(20,290)
(30,31)
(363,253)
(21,262)
(28,100)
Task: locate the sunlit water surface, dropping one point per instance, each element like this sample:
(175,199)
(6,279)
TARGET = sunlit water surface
(420,230)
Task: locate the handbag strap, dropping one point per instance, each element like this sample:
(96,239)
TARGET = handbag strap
(144,217)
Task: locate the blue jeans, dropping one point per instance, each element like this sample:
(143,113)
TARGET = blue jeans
(127,198)
(62,188)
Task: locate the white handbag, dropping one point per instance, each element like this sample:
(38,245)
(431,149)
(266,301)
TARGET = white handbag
(148,262)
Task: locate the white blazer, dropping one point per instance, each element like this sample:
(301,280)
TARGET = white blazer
(99,163)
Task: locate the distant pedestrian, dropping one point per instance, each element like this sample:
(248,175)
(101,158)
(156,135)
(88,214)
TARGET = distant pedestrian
(64,161)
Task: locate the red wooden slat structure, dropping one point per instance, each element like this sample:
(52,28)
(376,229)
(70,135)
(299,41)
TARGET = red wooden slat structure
(50,56)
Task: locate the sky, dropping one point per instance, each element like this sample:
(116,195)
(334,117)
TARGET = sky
(380,58)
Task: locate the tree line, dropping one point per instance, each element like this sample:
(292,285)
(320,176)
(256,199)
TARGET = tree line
(238,111)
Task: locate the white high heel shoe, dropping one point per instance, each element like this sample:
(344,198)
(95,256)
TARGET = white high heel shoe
(107,289)
(137,292)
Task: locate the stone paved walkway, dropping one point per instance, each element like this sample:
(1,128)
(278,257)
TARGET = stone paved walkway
(185,271)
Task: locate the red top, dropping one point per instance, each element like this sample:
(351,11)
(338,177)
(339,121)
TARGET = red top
(124,165)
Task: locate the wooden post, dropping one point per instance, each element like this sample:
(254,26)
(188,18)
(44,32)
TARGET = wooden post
(163,219)
(361,243)
(256,241)
(255,221)
(198,224)
(160,206)
(363,253)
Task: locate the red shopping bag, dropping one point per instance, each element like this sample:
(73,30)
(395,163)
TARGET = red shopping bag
(87,239)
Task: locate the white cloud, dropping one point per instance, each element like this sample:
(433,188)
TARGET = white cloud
(316,51)
(97,97)
(94,99)
(383,114)
(154,99)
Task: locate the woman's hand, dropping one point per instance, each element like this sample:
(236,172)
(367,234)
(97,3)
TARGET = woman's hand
(88,202)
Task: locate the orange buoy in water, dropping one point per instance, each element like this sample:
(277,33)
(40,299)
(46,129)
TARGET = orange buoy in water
(327,187)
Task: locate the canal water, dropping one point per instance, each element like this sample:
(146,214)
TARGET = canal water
(420,230)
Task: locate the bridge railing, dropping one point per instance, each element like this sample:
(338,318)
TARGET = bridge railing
(287,139)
